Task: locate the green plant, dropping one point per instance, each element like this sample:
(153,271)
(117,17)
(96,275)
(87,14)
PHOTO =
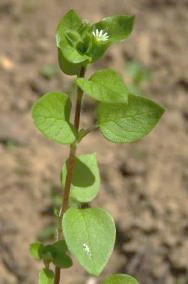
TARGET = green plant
(88,233)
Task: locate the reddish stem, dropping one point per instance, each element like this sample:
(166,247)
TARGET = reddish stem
(71,164)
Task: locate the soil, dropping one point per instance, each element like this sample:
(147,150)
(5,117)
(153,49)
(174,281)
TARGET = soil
(144,185)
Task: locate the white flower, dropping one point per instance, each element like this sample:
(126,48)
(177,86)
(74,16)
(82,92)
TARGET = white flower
(100,35)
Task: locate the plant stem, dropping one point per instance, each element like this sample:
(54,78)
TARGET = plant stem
(71,164)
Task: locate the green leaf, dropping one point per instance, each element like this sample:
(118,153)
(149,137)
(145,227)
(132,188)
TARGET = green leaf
(57,253)
(117,27)
(68,67)
(46,276)
(70,60)
(35,250)
(48,252)
(71,54)
(86,179)
(120,279)
(90,236)
(68,36)
(122,123)
(105,86)
(70,22)
(51,116)
(61,259)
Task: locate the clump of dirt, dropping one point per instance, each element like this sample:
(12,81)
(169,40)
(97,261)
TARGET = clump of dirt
(144,185)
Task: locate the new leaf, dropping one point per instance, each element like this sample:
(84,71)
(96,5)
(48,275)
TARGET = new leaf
(70,22)
(57,253)
(51,116)
(105,86)
(125,123)
(67,37)
(90,236)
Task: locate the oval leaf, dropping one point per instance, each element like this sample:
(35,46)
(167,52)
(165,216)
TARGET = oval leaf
(71,54)
(66,66)
(117,27)
(70,22)
(57,253)
(122,123)
(90,236)
(67,38)
(86,179)
(70,60)
(105,86)
(51,116)
(120,279)
(35,250)
(61,259)
(46,276)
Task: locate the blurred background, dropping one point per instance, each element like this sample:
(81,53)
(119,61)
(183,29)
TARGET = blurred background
(144,185)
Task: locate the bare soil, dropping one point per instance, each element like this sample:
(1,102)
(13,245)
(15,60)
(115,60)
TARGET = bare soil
(144,185)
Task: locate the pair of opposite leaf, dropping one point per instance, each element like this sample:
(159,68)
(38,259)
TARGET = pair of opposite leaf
(121,117)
